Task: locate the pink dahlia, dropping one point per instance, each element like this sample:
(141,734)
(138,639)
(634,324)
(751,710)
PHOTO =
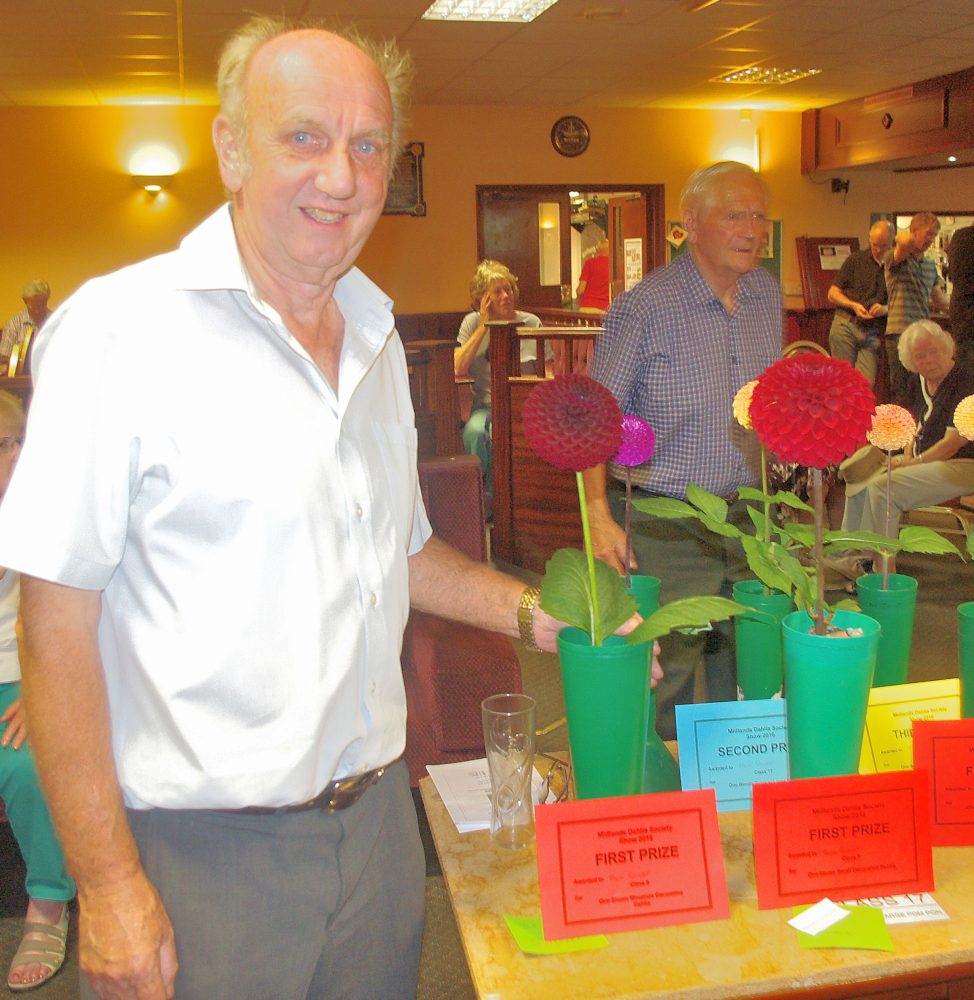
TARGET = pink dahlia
(893,428)
(812,409)
(573,422)
(638,442)
(964,417)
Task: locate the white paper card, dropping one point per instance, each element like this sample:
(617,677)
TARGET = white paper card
(819,917)
(911,908)
(464,788)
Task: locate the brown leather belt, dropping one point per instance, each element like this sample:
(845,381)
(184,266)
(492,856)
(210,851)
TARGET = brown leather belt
(336,795)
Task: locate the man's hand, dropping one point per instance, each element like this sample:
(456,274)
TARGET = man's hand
(609,543)
(16,732)
(125,941)
(877,310)
(861,311)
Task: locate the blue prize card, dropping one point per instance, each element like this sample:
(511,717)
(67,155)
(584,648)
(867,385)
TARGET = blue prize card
(729,745)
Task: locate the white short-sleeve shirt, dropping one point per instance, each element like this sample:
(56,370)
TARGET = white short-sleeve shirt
(249,529)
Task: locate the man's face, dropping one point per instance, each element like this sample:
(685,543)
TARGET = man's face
(925,235)
(727,234)
(879,244)
(501,299)
(36,307)
(8,453)
(320,148)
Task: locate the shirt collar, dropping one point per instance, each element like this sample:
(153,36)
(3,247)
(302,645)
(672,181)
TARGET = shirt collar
(210,260)
(703,294)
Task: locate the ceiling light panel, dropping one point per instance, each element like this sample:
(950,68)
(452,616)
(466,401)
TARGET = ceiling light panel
(516,11)
(764,75)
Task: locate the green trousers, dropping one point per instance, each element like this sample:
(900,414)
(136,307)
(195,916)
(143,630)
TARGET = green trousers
(47,876)
(691,562)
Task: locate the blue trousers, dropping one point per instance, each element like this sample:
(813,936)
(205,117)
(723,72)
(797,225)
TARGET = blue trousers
(476,441)
(47,876)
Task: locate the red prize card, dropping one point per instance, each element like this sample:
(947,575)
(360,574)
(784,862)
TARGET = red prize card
(946,750)
(847,838)
(611,865)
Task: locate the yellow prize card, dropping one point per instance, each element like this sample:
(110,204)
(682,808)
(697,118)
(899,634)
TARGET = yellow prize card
(887,743)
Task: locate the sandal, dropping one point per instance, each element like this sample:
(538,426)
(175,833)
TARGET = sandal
(47,953)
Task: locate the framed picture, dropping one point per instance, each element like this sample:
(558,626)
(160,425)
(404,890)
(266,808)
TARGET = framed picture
(406,187)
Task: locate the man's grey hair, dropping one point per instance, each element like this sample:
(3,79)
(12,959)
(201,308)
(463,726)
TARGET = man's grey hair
(698,192)
(923,328)
(38,286)
(883,225)
(12,412)
(488,271)
(241,47)
(923,219)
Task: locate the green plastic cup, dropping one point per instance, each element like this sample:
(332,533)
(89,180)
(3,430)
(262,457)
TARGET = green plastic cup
(893,609)
(661,773)
(827,684)
(757,633)
(965,648)
(606,704)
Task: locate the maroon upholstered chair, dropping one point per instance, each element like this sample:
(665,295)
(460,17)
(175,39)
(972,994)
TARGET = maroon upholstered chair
(449,668)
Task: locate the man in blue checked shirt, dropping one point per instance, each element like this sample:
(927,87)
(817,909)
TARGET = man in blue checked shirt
(676,349)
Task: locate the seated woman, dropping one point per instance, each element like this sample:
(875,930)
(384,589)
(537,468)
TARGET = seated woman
(940,463)
(494,295)
(49,886)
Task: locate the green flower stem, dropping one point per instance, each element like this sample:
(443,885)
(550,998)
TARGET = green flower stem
(819,554)
(889,496)
(628,527)
(596,630)
(767,504)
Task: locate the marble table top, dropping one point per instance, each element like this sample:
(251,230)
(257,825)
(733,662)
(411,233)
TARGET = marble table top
(753,953)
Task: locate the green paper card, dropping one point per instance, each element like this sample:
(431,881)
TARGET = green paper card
(865,927)
(529,935)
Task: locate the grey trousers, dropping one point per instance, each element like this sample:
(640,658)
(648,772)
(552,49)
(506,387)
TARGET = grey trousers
(306,906)
(690,561)
(853,343)
(898,375)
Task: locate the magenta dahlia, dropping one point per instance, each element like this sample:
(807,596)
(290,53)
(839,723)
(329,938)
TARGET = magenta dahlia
(573,422)
(638,442)
(812,409)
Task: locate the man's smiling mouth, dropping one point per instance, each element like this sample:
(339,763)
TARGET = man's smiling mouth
(319,215)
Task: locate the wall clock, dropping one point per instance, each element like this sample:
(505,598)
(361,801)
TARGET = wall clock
(570,136)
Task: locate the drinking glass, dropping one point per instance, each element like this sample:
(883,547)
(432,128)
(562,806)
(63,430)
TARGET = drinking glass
(509,739)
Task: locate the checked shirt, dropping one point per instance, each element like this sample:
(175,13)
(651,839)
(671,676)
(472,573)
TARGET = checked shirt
(672,355)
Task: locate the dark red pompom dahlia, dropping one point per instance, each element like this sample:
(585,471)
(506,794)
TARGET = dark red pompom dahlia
(812,409)
(573,422)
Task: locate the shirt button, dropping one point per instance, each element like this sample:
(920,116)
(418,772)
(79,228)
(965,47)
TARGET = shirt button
(358,510)
(373,599)
(373,687)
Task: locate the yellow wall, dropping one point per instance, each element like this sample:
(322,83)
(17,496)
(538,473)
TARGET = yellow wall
(68,211)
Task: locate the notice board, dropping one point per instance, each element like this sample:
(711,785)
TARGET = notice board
(819,260)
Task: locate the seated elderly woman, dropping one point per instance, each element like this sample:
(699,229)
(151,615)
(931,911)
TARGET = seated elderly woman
(49,886)
(494,296)
(940,463)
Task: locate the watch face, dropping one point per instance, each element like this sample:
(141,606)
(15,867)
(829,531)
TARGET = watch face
(570,136)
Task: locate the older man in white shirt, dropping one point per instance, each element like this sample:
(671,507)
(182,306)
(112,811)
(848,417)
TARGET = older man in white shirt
(213,612)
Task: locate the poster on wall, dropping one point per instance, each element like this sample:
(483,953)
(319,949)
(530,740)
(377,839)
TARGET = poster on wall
(634,262)
(769,254)
(831,256)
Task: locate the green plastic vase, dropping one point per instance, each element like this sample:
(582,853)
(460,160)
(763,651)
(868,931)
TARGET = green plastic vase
(893,609)
(661,773)
(606,705)
(757,636)
(827,682)
(965,649)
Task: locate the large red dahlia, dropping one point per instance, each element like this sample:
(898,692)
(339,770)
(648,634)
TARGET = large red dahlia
(573,422)
(812,409)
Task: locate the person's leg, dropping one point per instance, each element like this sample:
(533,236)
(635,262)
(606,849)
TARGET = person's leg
(866,357)
(273,906)
(964,354)
(49,886)
(844,339)
(898,375)
(916,486)
(476,441)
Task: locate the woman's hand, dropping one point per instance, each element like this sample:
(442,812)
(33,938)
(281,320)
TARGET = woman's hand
(16,732)
(484,308)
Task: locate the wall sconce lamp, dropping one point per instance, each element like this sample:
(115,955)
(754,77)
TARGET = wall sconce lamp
(152,183)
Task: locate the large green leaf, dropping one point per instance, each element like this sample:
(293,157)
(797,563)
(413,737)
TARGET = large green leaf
(860,540)
(847,604)
(720,527)
(689,613)
(804,534)
(566,593)
(762,567)
(711,505)
(797,574)
(665,507)
(970,544)
(757,516)
(782,496)
(914,538)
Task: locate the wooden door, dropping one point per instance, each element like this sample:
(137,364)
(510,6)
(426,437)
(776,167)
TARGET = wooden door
(508,232)
(627,221)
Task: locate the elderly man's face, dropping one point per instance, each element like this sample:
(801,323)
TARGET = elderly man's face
(879,244)
(727,235)
(36,307)
(320,148)
(930,358)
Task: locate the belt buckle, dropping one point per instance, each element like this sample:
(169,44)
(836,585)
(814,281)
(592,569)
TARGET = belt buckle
(348,791)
